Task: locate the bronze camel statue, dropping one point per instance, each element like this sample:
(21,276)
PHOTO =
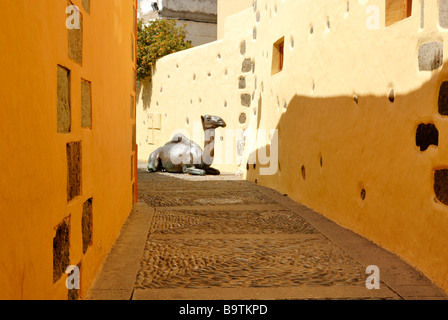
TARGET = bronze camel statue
(181,155)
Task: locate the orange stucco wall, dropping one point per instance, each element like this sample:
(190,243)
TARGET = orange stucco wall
(33,183)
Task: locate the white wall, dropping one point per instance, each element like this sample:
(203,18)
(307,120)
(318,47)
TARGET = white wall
(199,33)
(145,10)
(197,6)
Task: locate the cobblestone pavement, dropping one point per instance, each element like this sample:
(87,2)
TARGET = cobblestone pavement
(224,238)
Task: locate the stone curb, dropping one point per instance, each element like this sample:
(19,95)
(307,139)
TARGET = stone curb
(116,279)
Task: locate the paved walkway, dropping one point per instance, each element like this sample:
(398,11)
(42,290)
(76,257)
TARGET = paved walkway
(221,238)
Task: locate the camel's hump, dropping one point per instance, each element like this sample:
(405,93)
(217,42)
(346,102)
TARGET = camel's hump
(179,137)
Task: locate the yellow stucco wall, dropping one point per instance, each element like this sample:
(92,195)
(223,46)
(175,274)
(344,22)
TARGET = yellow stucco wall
(227,8)
(33,183)
(331,106)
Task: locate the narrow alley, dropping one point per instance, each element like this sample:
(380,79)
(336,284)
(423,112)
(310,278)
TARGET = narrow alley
(221,238)
(322,127)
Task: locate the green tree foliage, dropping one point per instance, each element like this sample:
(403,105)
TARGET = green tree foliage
(156,40)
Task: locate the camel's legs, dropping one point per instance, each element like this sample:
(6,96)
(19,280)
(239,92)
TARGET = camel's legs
(154,164)
(213,171)
(194,171)
(154,161)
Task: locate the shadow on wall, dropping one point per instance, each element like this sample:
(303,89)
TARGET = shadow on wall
(144,92)
(259,111)
(368,162)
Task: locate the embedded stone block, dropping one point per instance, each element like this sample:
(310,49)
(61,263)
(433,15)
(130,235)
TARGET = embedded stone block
(427,135)
(87,225)
(86,104)
(242,118)
(74,171)
(247,65)
(441,185)
(132,107)
(243,47)
(75,42)
(430,56)
(245,99)
(133,138)
(242,83)
(443,99)
(86,5)
(443,13)
(63,100)
(61,249)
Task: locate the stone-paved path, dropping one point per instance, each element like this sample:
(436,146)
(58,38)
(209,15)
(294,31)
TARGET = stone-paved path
(223,238)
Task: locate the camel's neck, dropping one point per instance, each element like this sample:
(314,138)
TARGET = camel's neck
(209,147)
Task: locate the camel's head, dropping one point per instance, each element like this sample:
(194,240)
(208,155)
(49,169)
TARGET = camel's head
(212,122)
